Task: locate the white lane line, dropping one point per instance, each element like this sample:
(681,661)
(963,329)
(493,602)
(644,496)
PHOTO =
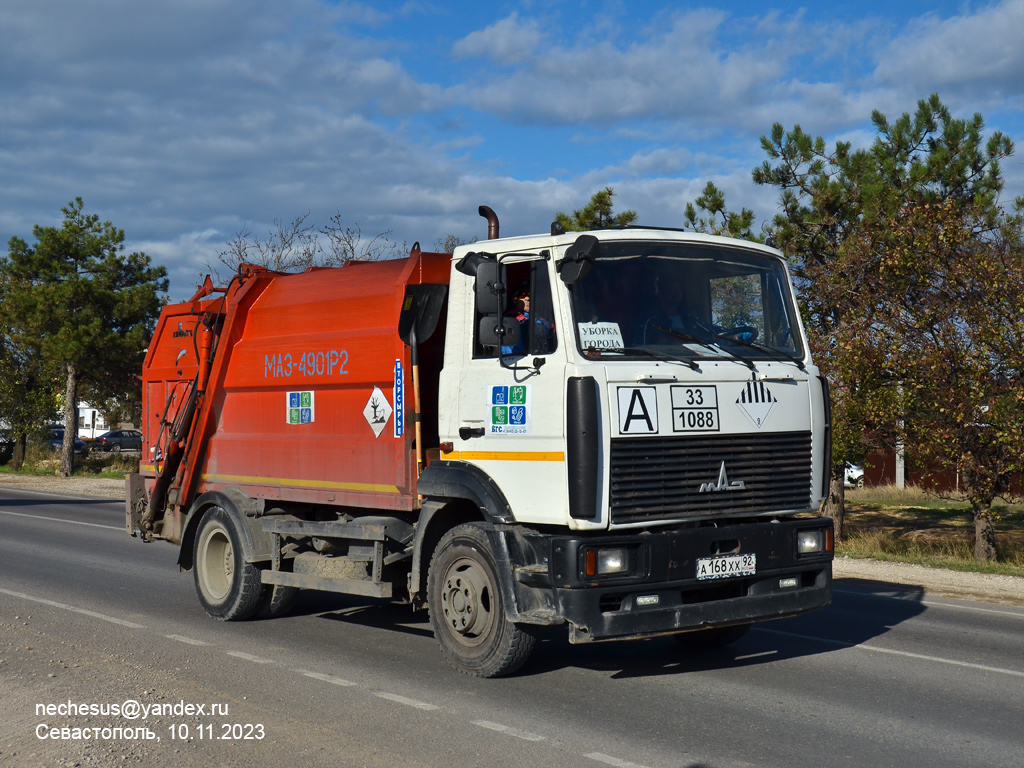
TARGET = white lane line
(526,735)
(933,604)
(183,639)
(60,520)
(609,760)
(325,678)
(249,657)
(73,609)
(403,700)
(972,608)
(63,496)
(894,652)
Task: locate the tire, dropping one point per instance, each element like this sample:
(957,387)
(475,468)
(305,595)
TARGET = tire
(276,601)
(115,448)
(229,588)
(467,607)
(709,639)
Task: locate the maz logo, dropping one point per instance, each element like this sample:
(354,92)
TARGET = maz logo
(723,483)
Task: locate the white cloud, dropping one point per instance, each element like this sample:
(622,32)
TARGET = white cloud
(508,41)
(979,55)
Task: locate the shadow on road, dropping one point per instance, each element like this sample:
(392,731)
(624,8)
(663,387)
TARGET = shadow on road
(861,611)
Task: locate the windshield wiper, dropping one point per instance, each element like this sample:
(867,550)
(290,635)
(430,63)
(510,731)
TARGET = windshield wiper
(647,353)
(771,352)
(690,339)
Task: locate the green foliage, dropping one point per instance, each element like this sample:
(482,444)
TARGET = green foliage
(717,219)
(596,214)
(910,278)
(79,309)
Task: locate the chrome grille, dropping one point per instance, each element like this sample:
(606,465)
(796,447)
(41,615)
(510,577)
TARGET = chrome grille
(660,478)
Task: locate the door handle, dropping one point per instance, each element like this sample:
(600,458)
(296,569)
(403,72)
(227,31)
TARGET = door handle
(467,433)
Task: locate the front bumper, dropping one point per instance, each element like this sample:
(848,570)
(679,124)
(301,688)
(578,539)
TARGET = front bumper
(663,595)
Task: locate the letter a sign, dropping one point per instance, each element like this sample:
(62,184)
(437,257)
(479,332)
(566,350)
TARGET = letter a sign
(638,411)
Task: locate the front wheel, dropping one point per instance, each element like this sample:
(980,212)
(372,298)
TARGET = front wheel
(467,608)
(229,588)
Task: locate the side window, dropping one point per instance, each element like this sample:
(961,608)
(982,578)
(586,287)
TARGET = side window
(529,304)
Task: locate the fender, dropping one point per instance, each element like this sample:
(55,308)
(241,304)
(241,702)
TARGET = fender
(245,511)
(458,480)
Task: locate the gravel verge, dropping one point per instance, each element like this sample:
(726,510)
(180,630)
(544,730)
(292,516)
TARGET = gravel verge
(992,588)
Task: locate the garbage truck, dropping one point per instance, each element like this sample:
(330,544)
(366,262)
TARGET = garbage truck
(618,432)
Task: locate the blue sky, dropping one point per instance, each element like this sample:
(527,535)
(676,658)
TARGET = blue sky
(186,121)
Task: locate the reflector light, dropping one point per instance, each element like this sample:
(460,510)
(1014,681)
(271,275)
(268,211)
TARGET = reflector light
(787,583)
(647,600)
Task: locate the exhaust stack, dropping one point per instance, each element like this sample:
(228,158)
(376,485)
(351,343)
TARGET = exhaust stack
(492,221)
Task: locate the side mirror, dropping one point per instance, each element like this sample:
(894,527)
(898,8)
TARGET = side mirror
(490,287)
(578,259)
(497,331)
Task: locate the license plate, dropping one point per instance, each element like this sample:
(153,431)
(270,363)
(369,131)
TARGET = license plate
(724,567)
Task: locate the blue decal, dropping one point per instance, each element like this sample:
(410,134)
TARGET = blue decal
(517,415)
(399,399)
(499,395)
(293,399)
(306,415)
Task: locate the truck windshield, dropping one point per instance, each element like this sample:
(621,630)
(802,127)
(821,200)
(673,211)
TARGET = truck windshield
(685,301)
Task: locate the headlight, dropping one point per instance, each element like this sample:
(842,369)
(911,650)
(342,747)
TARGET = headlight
(608,561)
(808,542)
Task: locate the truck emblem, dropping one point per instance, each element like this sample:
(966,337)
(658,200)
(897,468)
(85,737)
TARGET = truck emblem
(756,402)
(723,483)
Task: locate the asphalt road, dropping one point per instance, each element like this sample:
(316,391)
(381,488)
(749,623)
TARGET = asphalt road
(885,677)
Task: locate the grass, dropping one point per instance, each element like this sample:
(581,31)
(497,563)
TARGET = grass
(41,460)
(910,526)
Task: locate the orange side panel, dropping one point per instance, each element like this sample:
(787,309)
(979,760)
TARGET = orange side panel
(302,385)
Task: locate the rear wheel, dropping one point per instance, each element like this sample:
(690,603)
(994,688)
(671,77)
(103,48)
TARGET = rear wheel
(709,639)
(229,588)
(467,608)
(115,448)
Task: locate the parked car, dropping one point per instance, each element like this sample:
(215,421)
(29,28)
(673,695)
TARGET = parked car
(118,440)
(854,475)
(56,441)
(6,446)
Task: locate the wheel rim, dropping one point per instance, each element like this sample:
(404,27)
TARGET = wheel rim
(467,601)
(115,448)
(216,563)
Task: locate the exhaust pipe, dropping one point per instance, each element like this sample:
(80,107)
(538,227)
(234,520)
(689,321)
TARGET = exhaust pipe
(492,221)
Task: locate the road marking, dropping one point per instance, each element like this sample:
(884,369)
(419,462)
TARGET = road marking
(609,760)
(59,520)
(326,678)
(73,609)
(972,608)
(930,603)
(249,657)
(894,652)
(408,702)
(54,495)
(526,735)
(183,639)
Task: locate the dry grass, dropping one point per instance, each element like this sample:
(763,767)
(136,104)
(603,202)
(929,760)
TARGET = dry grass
(911,526)
(42,460)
